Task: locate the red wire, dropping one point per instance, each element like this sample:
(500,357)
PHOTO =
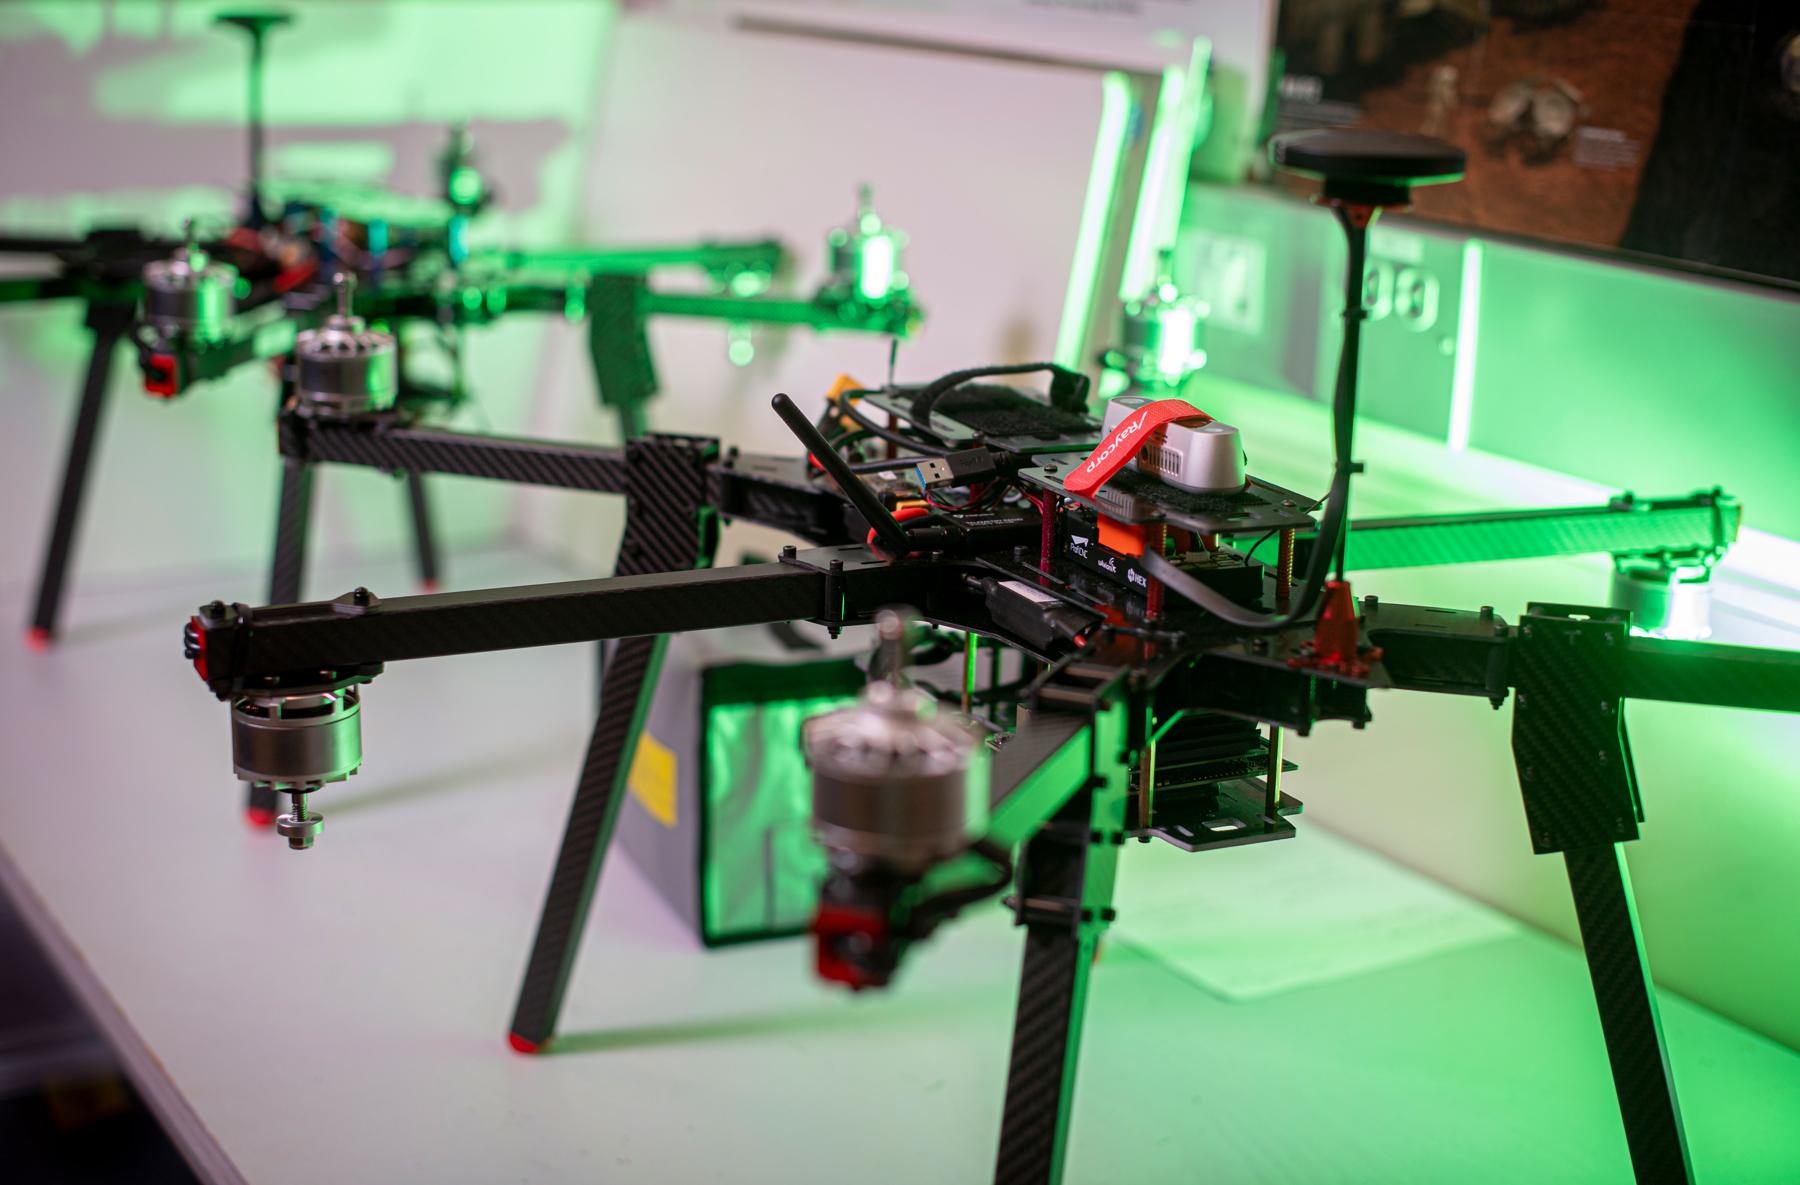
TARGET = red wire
(295,276)
(901,515)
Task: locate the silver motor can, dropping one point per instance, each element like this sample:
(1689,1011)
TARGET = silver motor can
(190,294)
(297,742)
(343,368)
(896,781)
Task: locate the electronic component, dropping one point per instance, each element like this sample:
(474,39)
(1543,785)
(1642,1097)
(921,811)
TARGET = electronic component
(1161,336)
(895,781)
(1220,568)
(296,743)
(190,294)
(1199,453)
(343,368)
(865,257)
(958,468)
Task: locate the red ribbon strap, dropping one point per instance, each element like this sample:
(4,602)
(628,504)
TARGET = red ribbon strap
(1124,442)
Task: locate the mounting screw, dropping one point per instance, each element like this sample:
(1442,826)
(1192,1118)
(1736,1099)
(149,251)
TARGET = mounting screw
(360,595)
(1018,552)
(1288,502)
(300,827)
(789,552)
(1526,630)
(1519,700)
(1487,613)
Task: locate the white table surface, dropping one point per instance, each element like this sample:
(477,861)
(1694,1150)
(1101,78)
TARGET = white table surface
(339,1014)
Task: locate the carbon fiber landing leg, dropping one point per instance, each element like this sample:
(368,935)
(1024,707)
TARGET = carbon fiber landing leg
(1628,1016)
(1065,888)
(1581,800)
(1040,1080)
(424,542)
(667,528)
(108,327)
(629,685)
(293,516)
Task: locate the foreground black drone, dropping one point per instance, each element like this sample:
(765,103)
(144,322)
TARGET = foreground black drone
(262,291)
(1153,652)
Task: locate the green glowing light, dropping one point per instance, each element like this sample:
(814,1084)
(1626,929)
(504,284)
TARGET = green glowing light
(575,302)
(1096,212)
(739,347)
(496,299)
(1176,354)
(875,278)
(762,868)
(464,186)
(748,283)
(1179,106)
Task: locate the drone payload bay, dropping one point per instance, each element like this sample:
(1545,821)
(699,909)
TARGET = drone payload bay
(1163,666)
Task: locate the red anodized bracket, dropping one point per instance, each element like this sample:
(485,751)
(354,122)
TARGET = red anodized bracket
(162,377)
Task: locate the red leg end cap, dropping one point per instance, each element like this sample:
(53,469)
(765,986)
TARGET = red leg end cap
(37,638)
(521,1045)
(260,817)
(428,586)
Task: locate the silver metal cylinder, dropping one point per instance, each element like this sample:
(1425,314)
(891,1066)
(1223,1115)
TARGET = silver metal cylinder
(190,294)
(345,370)
(297,742)
(1667,598)
(895,781)
(1161,336)
(865,257)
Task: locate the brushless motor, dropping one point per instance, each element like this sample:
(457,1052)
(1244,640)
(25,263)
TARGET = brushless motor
(1668,597)
(865,257)
(895,782)
(297,743)
(190,294)
(1161,337)
(343,368)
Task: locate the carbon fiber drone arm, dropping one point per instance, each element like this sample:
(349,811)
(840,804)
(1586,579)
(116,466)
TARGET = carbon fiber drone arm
(233,646)
(764,256)
(1702,523)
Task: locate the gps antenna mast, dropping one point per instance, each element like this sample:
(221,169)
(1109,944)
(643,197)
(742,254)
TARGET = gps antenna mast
(257,25)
